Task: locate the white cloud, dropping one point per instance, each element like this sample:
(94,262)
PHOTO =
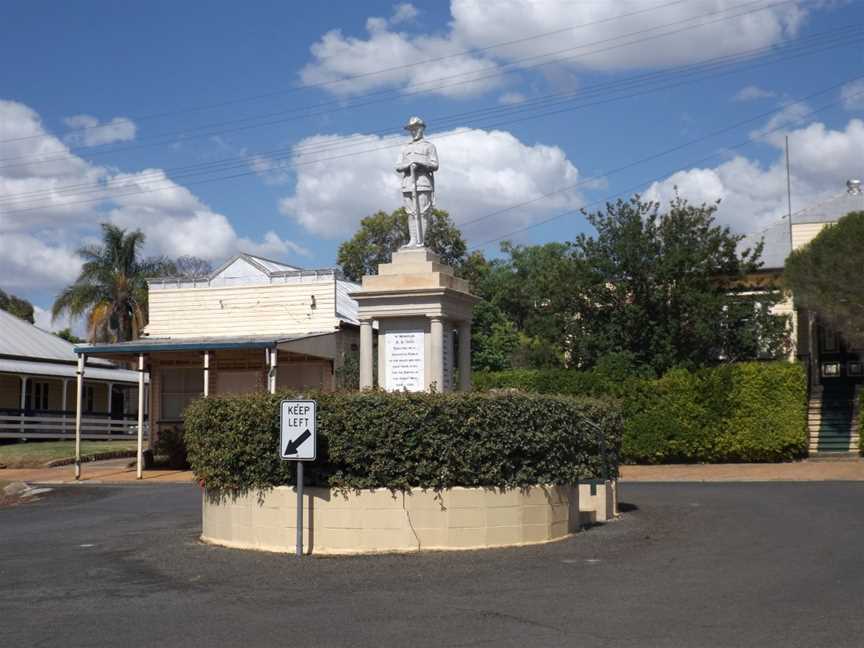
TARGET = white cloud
(754,195)
(852,95)
(605,36)
(45,322)
(753,93)
(89,132)
(696,23)
(64,201)
(403,12)
(511,98)
(271,171)
(351,66)
(481,172)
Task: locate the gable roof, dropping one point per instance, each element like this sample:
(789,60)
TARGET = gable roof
(22,339)
(776,237)
(266,267)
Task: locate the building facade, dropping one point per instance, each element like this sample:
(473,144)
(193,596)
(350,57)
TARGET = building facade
(38,390)
(835,368)
(252,325)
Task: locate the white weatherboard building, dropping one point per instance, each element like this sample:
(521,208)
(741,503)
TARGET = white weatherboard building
(37,388)
(835,367)
(252,325)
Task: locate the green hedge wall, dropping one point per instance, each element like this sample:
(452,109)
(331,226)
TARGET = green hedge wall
(739,412)
(399,441)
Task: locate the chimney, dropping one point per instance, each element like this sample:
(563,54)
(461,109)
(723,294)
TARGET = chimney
(853,187)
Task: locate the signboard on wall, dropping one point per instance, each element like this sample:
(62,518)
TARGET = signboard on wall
(404,354)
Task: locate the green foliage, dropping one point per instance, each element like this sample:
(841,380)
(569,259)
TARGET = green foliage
(736,412)
(111,290)
(68,335)
(399,441)
(825,276)
(493,338)
(382,234)
(669,288)
(17,306)
(531,286)
(171,447)
(348,371)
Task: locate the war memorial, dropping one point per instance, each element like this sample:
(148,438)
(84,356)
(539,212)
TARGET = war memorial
(414,459)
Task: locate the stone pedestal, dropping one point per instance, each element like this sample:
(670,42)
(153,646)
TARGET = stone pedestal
(419,305)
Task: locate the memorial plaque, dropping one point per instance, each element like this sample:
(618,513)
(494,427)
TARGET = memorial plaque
(403,353)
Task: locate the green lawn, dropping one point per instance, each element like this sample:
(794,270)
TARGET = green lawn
(33,454)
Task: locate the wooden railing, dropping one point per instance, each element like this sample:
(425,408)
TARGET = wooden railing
(16,424)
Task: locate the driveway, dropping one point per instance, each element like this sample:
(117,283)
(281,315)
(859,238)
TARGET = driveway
(758,564)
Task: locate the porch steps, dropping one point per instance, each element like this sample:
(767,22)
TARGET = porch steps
(833,421)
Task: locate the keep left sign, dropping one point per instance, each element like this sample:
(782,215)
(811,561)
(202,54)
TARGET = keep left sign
(298,423)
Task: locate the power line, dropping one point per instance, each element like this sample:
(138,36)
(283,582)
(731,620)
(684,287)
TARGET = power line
(655,156)
(658,178)
(347,79)
(228,164)
(387,95)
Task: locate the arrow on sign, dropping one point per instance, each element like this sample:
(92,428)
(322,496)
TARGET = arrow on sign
(292,446)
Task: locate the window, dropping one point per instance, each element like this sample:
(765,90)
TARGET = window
(89,398)
(180,386)
(37,395)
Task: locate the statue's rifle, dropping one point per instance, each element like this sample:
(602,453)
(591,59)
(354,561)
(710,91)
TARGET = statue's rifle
(416,193)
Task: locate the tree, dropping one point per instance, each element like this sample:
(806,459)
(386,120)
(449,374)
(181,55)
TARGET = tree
(17,306)
(66,334)
(190,267)
(494,338)
(111,290)
(825,277)
(669,288)
(382,234)
(531,287)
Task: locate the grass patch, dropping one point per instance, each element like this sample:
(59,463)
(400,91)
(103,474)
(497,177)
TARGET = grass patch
(35,454)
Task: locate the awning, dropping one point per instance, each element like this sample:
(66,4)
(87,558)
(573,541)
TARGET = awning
(66,371)
(155,345)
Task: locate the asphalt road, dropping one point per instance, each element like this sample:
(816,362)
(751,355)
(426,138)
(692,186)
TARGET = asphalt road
(770,564)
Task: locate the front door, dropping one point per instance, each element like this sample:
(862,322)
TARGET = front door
(839,363)
(118,402)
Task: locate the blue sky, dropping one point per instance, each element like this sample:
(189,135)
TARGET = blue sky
(293,169)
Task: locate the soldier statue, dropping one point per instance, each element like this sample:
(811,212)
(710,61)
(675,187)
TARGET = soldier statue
(418,162)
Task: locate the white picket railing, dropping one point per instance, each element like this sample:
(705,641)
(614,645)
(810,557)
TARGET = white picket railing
(61,425)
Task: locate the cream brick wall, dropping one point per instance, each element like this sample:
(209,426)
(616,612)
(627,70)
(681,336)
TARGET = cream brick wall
(379,521)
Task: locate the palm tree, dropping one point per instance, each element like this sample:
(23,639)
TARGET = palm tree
(111,291)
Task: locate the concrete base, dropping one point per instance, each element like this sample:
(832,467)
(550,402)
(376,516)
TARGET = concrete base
(598,501)
(381,521)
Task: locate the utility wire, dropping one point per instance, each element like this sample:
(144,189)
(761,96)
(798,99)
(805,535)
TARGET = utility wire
(444,120)
(664,153)
(420,89)
(356,77)
(300,152)
(658,178)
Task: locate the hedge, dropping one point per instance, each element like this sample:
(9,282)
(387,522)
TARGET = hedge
(738,412)
(400,441)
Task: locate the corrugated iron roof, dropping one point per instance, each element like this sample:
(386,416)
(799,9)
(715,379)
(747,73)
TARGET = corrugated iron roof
(31,368)
(150,345)
(776,237)
(23,339)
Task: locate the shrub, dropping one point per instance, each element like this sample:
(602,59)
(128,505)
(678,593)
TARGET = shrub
(399,441)
(748,411)
(171,448)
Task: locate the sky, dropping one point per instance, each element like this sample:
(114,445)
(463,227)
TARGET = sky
(273,128)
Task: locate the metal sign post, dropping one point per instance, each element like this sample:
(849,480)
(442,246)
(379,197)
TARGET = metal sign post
(298,441)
